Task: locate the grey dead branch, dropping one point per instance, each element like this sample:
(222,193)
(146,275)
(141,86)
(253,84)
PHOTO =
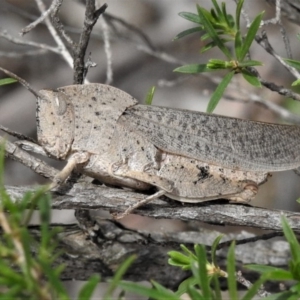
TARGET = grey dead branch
(89,196)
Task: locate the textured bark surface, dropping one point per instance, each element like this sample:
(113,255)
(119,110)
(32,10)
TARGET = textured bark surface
(90,196)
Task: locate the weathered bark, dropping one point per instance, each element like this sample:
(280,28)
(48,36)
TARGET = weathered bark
(90,196)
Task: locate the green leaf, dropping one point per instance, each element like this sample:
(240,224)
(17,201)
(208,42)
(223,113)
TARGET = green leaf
(287,295)
(214,249)
(295,288)
(271,273)
(218,64)
(191,17)
(146,291)
(210,45)
(9,275)
(294,267)
(295,83)
(252,79)
(194,294)
(150,95)
(214,15)
(291,238)
(262,268)
(238,45)
(192,69)
(191,281)
(217,7)
(216,287)
(5,81)
(292,62)
(225,15)
(217,94)
(88,289)
(187,32)
(2,156)
(251,35)
(221,28)
(201,271)
(14,292)
(298,200)
(231,279)
(160,288)
(250,63)
(54,280)
(45,210)
(281,275)
(238,14)
(30,201)
(118,276)
(178,259)
(231,21)
(211,31)
(188,252)
(252,291)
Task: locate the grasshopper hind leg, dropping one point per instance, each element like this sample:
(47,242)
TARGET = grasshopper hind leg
(164,185)
(248,193)
(140,203)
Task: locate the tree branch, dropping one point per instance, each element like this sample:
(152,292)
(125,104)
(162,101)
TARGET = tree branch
(35,164)
(91,17)
(290,9)
(91,196)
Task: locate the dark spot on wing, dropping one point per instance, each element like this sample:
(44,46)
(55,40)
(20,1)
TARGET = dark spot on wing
(204,172)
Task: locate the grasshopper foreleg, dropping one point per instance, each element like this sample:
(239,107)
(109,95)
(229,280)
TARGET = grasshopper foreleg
(74,160)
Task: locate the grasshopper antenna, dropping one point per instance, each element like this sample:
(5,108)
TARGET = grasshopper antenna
(30,89)
(22,81)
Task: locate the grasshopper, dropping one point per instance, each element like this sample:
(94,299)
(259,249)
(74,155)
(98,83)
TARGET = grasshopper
(188,156)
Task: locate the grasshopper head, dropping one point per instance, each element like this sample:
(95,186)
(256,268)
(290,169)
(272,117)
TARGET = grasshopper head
(55,122)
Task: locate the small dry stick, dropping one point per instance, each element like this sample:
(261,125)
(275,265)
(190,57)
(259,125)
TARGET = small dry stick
(262,293)
(22,81)
(63,51)
(7,36)
(18,135)
(40,19)
(59,26)
(35,164)
(91,17)
(107,49)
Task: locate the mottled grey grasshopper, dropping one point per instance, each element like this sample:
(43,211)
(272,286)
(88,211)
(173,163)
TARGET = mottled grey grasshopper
(188,156)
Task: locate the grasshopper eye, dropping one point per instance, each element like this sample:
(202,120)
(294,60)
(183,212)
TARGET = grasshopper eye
(60,104)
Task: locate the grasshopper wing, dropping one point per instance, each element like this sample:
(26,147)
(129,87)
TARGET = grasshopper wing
(224,141)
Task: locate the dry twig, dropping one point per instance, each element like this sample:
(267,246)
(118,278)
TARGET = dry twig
(91,17)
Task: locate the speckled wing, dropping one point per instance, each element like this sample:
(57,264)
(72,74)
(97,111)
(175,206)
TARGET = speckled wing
(224,141)
(197,181)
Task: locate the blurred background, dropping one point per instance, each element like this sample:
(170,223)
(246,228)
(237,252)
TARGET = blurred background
(143,54)
(138,63)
